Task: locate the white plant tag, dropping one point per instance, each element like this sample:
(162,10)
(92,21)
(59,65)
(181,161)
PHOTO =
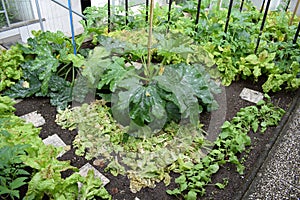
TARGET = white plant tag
(35,118)
(251,95)
(85,168)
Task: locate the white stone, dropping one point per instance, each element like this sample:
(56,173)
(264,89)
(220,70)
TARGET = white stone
(35,118)
(18,100)
(251,95)
(56,141)
(85,168)
(135,64)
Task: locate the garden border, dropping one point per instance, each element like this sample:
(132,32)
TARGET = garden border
(273,142)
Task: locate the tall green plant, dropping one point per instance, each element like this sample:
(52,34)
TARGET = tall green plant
(146,98)
(49,68)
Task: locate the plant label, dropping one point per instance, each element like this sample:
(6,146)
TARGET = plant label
(56,141)
(251,95)
(35,118)
(85,168)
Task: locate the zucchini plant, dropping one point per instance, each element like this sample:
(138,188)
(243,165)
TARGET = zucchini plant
(142,97)
(49,68)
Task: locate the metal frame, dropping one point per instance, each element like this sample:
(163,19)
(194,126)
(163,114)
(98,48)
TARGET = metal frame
(5,12)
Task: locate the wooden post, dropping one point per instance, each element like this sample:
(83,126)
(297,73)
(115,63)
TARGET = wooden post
(294,13)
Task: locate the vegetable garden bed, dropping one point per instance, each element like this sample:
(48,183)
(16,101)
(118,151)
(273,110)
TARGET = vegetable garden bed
(158,113)
(119,185)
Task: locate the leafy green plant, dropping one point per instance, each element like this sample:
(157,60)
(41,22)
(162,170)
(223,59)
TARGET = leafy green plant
(256,65)
(95,124)
(10,70)
(150,98)
(231,49)
(231,142)
(286,69)
(92,187)
(94,25)
(22,148)
(48,181)
(49,63)
(12,170)
(6,105)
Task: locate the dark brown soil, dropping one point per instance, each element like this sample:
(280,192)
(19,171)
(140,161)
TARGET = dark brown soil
(119,186)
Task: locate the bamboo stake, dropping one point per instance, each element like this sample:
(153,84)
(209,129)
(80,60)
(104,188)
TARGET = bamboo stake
(150,35)
(219,4)
(108,15)
(294,13)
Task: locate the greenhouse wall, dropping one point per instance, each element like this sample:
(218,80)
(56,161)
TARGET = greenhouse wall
(121,2)
(57,18)
(54,17)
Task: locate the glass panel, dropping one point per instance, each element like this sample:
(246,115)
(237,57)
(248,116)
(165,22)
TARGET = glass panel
(18,10)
